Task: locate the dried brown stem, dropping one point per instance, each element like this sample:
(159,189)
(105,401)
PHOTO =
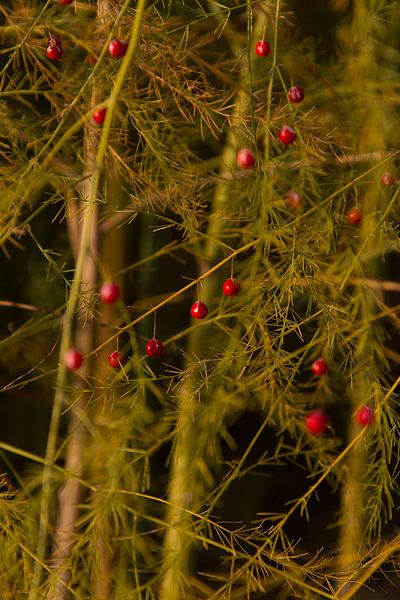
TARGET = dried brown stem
(353,515)
(183,475)
(10,304)
(6,481)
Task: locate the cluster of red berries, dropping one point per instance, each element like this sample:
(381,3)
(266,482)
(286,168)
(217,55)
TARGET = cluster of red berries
(317,421)
(245,158)
(110,293)
(116,49)
(287,134)
(355,215)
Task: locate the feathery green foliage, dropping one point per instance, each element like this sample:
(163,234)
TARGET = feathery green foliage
(194,476)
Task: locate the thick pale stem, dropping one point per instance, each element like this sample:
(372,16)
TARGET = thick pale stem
(112,253)
(89,221)
(351,509)
(183,477)
(74,297)
(70,494)
(177,542)
(371,138)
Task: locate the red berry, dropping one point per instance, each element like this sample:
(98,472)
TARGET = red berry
(316,422)
(263,48)
(73,359)
(66,2)
(117,48)
(109,292)
(355,215)
(116,359)
(295,199)
(54,52)
(319,367)
(231,287)
(99,116)
(287,135)
(365,415)
(296,94)
(199,310)
(387,179)
(91,60)
(154,348)
(245,159)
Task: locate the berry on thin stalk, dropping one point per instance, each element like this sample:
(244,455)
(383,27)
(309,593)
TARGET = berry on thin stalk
(387,179)
(296,94)
(365,415)
(295,199)
(117,48)
(355,215)
(245,159)
(73,359)
(316,422)
(231,287)
(109,292)
(54,52)
(319,367)
(99,116)
(287,135)
(66,2)
(116,359)
(263,49)
(154,348)
(199,310)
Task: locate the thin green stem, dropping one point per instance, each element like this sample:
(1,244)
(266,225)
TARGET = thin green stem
(270,91)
